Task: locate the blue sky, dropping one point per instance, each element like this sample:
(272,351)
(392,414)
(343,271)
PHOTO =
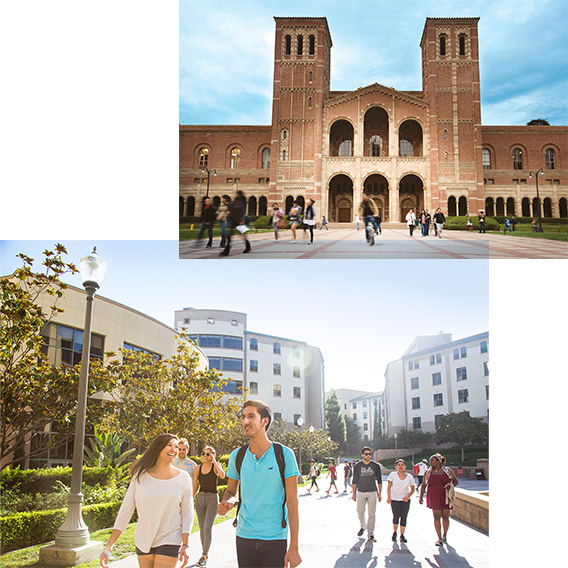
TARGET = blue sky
(227,51)
(361,314)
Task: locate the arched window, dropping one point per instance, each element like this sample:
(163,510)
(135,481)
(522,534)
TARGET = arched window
(309,102)
(526,207)
(442,45)
(235,158)
(266,159)
(310,77)
(547,207)
(300,45)
(445,134)
(252,205)
(203,157)
(346,147)
(312,44)
(190,211)
(262,205)
(510,206)
(500,206)
(284,134)
(486,156)
(550,155)
(375,146)
(445,155)
(517,159)
(287,45)
(283,155)
(563,207)
(489,208)
(462,45)
(406,148)
(452,206)
(462,206)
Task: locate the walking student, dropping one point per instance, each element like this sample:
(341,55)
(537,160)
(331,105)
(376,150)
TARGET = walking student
(205,478)
(314,472)
(400,488)
(222,217)
(236,216)
(310,218)
(439,482)
(208,216)
(333,474)
(277,220)
(294,215)
(439,220)
(182,461)
(161,494)
(347,473)
(411,221)
(268,496)
(367,487)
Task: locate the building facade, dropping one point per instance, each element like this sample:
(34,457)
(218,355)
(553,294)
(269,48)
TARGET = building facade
(287,374)
(406,149)
(436,376)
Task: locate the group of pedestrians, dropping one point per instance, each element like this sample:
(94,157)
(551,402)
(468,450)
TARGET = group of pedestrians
(424,220)
(296,215)
(164,483)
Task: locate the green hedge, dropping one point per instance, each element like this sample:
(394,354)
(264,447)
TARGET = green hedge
(528,220)
(460,224)
(29,528)
(43,480)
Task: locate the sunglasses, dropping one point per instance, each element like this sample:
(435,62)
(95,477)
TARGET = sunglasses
(205,454)
(367,453)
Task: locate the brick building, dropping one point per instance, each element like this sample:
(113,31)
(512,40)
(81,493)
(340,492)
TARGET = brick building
(419,149)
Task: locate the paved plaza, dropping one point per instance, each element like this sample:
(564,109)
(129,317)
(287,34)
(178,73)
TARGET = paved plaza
(394,243)
(328,537)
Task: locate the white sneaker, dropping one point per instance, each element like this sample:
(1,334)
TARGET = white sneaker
(292,242)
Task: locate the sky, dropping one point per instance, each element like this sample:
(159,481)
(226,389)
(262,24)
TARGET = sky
(227,54)
(361,314)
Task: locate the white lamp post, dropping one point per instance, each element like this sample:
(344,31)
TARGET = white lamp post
(300,422)
(311,429)
(72,545)
(395,441)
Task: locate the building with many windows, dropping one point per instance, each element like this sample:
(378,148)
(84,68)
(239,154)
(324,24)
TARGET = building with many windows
(436,376)
(406,149)
(287,374)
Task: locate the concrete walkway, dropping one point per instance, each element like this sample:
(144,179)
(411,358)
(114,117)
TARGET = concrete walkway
(394,243)
(328,537)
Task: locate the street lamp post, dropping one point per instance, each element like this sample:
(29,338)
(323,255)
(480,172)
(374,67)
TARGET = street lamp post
(74,533)
(329,446)
(311,429)
(395,441)
(300,422)
(209,172)
(540,171)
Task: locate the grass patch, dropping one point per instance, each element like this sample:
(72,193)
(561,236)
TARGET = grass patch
(453,458)
(29,557)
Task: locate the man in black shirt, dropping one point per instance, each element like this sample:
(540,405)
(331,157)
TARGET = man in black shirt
(207,222)
(366,478)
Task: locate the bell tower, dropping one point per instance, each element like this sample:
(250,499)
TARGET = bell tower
(450,81)
(301,84)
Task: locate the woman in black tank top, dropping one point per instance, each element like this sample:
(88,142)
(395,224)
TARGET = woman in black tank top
(205,479)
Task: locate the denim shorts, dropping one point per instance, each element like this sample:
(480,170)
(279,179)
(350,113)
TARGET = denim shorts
(171,550)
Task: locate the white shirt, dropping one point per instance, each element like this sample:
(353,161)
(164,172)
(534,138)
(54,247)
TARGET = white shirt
(165,510)
(410,218)
(422,468)
(400,487)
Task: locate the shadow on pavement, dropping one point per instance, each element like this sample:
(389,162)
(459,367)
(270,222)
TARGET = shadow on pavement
(360,555)
(401,556)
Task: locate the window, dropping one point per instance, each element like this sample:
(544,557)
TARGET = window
(235,158)
(438,399)
(415,403)
(410,365)
(483,347)
(375,146)
(490,182)
(364,404)
(312,46)
(432,359)
(295,351)
(232,342)
(461,374)
(276,348)
(463,352)
(297,392)
(283,155)
(517,159)
(309,102)
(346,147)
(445,134)
(300,45)
(550,156)
(253,344)
(524,181)
(233,387)
(287,45)
(209,341)
(266,159)
(296,418)
(485,369)
(416,364)
(276,390)
(354,416)
(229,180)
(463,396)
(310,77)
(436,379)
(230,364)
(486,392)
(203,158)
(296,371)
(416,423)
(486,155)
(64,345)
(442,45)
(456,354)
(414,383)
(253,367)
(284,134)
(276,369)
(462,44)
(354,405)
(253,388)
(406,149)
(215,363)
(438,358)
(437,418)
(234,323)
(277,416)
(365,426)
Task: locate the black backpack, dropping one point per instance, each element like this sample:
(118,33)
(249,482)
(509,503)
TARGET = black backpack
(279,453)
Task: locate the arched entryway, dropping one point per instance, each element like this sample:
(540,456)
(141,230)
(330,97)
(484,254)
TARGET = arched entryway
(376,186)
(547,207)
(410,195)
(563,207)
(510,206)
(526,207)
(462,206)
(489,207)
(341,199)
(341,139)
(500,207)
(262,205)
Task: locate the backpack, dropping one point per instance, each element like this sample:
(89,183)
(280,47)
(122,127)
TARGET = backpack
(318,472)
(416,469)
(279,453)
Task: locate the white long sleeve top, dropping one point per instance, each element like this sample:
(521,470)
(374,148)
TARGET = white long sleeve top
(165,510)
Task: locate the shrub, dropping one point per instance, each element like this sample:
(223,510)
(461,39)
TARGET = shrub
(26,529)
(460,223)
(265,222)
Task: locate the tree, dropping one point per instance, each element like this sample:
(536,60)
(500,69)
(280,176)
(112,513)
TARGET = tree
(354,441)
(334,419)
(377,432)
(460,428)
(33,393)
(171,395)
(412,439)
(538,122)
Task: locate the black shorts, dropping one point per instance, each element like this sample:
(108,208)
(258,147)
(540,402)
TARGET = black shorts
(171,550)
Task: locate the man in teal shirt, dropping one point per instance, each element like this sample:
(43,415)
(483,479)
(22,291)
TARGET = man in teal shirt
(261,539)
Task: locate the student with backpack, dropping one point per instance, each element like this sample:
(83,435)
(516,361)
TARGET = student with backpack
(268,494)
(314,472)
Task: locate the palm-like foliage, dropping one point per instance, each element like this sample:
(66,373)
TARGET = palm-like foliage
(106,451)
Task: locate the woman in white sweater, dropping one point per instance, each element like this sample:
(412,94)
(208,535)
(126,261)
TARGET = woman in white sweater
(162,495)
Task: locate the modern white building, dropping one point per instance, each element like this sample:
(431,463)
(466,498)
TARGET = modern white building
(287,374)
(436,376)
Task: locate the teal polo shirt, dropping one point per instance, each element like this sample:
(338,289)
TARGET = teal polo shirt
(262,493)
